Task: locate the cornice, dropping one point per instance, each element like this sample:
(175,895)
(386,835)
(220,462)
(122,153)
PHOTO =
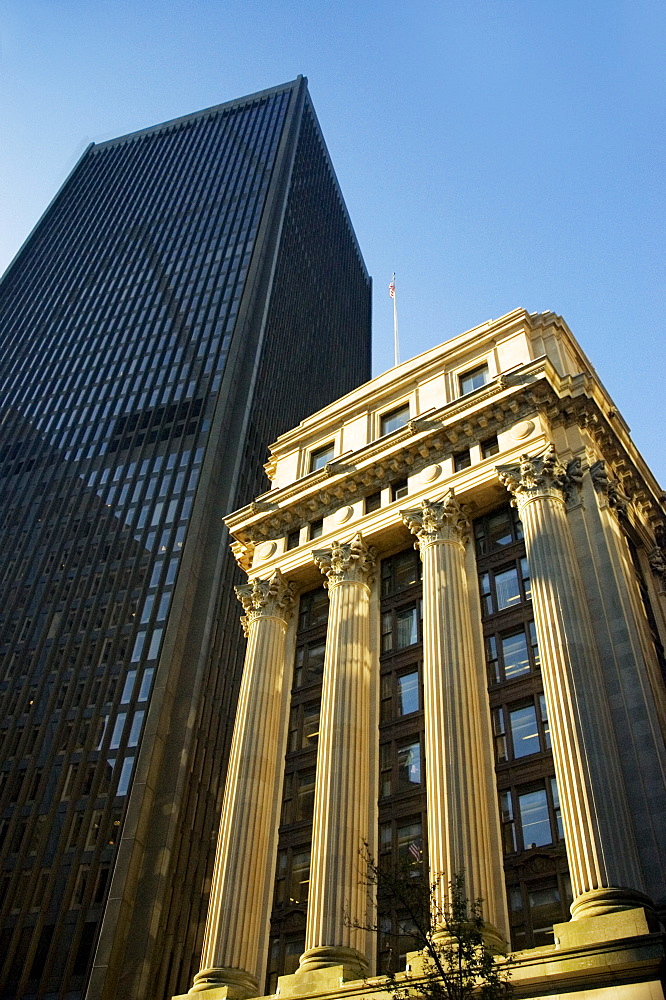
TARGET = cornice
(435,435)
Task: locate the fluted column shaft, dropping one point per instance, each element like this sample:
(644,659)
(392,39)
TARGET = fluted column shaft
(338,897)
(603,861)
(462,836)
(237,928)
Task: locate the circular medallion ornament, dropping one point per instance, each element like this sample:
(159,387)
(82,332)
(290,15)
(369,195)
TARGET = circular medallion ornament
(430,473)
(522,430)
(343,515)
(265,550)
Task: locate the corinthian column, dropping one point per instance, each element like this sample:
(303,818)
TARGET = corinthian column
(342,808)
(236,938)
(463,827)
(605,871)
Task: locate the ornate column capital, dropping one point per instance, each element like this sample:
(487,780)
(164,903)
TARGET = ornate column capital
(347,562)
(536,476)
(444,520)
(273,598)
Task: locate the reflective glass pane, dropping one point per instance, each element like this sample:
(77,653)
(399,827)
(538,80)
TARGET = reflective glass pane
(524,732)
(409,839)
(300,877)
(473,379)
(534,818)
(321,456)
(514,654)
(310,725)
(406,569)
(316,658)
(409,765)
(507,588)
(408,692)
(406,628)
(545,910)
(305,796)
(397,418)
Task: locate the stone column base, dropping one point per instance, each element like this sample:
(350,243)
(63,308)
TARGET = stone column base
(325,956)
(492,939)
(327,979)
(224,984)
(614,926)
(601,902)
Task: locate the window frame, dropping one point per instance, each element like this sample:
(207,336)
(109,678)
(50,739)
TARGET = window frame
(394,411)
(323,451)
(469,373)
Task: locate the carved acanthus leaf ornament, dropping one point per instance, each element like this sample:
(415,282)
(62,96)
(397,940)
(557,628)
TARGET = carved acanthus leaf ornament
(438,521)
(541,476)
(347,561)
(273,598)
(617,497)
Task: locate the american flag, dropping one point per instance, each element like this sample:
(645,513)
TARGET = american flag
(392,289)
(415,850)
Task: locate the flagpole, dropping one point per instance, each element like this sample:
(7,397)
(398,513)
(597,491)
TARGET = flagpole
(396,346)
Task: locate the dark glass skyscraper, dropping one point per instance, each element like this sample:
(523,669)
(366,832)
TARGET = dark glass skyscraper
(194,290)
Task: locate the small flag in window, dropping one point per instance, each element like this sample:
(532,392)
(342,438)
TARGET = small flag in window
(415,851)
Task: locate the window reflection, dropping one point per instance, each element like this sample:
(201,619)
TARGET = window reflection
(534,818)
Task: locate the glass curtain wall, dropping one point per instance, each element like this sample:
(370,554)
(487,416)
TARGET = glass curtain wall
(116,326)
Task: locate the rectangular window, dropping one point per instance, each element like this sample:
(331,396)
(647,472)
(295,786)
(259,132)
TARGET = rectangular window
(293,539)
(394,420)
(138,646)
(409,765)
(514,655)
(146,684)
(128,688)
(316,529)
(408,693)
(135,730)
(406,627)
(299,883)
(524,731)
(497,530)
(309,664)
(400,572)
(489,447)
(313,608)
(534,819)
(321,456)
(373,502)
(462,460)
(507,589)
(399,490)
(473,379)
(409,839)
(125,775)
(304,796)
(155,644)
(118,727)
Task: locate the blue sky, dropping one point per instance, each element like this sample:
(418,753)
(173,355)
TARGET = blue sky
(493,153)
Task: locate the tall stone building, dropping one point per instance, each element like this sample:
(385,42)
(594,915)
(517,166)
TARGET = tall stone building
(456,625)
(144,328)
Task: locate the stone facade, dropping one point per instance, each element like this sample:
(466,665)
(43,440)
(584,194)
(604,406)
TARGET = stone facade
(540,680)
